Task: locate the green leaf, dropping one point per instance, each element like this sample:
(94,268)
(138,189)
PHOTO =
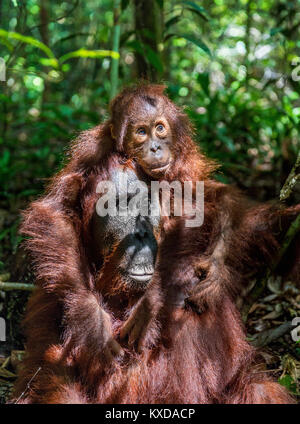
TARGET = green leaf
(4,233)
(172,21)
(229,143)
(125,36)
(203,80)
(7,35)
(136,46)
(193,7)
(288,382)
(146,50)
(148,34)
(160,3)
(94,54)
(124,4)
(6,43)
(168,36)
(153,58)
(275,31)
(198,13)
(28,192)
(48,62)
(4,159)
(198,42)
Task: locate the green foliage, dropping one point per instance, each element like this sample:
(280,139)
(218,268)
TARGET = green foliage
(228,63)
(8,35)
(197,41)
(233,66)
(89,53)
(52,61)
(195,8)
(288,382)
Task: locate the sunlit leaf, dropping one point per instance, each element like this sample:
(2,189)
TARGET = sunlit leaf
(94,54)
(48,62)
(7,44)
(28,40)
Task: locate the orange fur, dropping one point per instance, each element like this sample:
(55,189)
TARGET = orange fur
(194,358)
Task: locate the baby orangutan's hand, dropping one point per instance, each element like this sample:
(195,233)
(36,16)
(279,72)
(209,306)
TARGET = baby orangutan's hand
(140,327)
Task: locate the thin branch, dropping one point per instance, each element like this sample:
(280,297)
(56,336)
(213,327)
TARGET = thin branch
(290,234)
(291,180)
(56,19)
(16,286)
(114,71)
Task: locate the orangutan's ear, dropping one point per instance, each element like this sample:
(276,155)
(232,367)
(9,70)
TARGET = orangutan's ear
(122,135)
(118,133)
(112,132)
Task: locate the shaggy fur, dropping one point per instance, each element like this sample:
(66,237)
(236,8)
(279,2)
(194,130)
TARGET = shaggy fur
(74,316)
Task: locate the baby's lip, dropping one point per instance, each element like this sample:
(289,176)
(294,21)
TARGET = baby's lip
(160,168)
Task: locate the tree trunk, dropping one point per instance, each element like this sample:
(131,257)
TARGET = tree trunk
(114,71)
(149,30)
(44,31)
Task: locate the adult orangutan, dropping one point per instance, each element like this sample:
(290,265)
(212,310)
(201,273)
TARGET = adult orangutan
(84,297)
(72,322)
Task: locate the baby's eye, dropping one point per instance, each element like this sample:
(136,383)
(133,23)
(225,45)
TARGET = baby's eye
(160,127)
(141,131)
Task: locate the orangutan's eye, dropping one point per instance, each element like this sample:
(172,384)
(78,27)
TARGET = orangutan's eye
(160,127)
(141,131)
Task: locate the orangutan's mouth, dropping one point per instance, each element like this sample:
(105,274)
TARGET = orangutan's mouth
(160,168)
(141,277)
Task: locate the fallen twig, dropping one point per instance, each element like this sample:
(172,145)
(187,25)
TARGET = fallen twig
(268,336)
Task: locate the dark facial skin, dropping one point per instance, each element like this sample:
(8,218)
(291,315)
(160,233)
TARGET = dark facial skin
(149,139)
(132,235)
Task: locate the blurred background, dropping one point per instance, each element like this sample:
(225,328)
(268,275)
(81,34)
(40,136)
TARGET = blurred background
(233,65)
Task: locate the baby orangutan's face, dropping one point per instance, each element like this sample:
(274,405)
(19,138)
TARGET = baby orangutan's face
(149,139)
